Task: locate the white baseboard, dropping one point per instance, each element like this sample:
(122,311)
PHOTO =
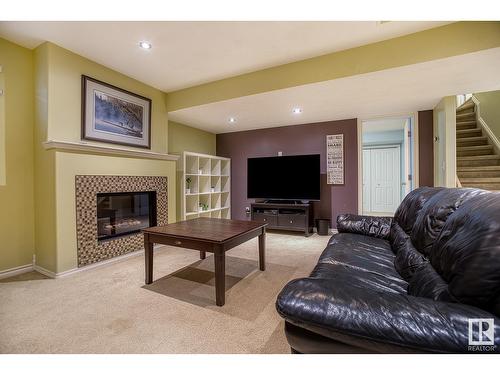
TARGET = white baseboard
(16,271)
(57,275)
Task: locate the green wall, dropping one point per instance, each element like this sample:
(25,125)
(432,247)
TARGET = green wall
(490,110)
(17,233)
(186,138)
(42,102)
(58,117)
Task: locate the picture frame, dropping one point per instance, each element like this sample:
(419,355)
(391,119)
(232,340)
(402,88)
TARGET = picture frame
(335,159)
(114,115)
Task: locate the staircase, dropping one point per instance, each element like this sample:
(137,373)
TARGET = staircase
(478,162)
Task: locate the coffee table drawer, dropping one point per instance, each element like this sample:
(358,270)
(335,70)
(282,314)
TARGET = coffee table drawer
(265,218)
(292,221)
(180,242)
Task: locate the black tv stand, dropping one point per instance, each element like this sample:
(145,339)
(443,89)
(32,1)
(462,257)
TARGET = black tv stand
(295,216)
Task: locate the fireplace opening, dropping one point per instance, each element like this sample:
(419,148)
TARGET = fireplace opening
(120,214)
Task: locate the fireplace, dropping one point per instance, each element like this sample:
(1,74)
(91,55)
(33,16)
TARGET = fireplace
(121,214)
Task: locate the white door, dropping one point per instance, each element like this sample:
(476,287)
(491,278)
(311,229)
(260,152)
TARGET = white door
(384,182)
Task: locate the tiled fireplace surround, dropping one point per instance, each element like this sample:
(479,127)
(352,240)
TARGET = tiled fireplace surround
(89,249)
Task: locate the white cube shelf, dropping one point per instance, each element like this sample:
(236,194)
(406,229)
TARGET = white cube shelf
(209,192)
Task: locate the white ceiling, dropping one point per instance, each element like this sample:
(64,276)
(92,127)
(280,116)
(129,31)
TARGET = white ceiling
(190,53)
(391,92)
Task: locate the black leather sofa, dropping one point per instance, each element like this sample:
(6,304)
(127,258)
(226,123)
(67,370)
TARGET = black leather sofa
(407,284)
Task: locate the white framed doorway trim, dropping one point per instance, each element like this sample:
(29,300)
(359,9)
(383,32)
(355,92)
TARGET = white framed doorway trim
(416,166)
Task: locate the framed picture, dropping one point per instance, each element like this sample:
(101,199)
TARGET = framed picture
(114,115)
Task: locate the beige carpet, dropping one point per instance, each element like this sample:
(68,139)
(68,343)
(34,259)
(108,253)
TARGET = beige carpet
(109,309)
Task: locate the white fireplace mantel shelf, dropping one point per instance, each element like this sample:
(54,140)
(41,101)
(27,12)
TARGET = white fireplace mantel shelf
(93,148)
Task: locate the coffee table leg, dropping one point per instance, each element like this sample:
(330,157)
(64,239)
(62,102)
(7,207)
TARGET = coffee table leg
(203,255)
(262,250)
(220,278)
(148,255)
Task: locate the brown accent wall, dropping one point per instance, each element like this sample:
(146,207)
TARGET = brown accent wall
(425,148)
(294,140)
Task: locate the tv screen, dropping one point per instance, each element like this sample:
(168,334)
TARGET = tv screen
(284,177)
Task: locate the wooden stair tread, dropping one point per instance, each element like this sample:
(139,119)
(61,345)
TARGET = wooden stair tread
(479,168)
(491,180)
(464,115)
(467,131)
(467,122)
(479,157)
(470,139)
(467,104)
(470,148)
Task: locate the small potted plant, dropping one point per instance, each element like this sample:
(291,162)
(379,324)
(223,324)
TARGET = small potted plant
(188,185)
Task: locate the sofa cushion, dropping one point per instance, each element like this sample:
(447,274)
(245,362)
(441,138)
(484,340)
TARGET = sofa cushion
(360,260)
(362,252)
(408,210)
(426,282)
(467,252)
(434,214)
(341,275)
(408,259)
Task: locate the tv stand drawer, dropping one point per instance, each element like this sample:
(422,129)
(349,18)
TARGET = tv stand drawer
(292,221)
(265,218)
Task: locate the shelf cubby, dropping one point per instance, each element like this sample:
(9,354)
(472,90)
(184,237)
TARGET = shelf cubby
(193,185)
(225,202)
(204,200)
(225,183)
(224,168)
(204,166)
(192,204)
(204,184)
(215,184)
(215,167)
(191,164)
(215,201)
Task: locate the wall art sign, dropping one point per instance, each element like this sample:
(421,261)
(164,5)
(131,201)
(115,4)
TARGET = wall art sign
(335,159)
(114,115)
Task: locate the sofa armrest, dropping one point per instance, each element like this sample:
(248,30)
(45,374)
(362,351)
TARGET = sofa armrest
(373,226)
(421,324)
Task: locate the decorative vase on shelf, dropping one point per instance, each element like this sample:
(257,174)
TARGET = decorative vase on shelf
(188,191)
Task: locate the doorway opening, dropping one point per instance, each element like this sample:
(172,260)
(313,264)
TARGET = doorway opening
(387,163)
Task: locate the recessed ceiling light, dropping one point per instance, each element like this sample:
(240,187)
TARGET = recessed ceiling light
(232,120)
(145,45)
(297,110)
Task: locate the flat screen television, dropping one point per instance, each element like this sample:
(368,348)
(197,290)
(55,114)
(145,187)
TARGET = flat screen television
(284,177)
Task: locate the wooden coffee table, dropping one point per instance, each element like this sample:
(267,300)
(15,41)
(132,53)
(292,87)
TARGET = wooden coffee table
(206,235)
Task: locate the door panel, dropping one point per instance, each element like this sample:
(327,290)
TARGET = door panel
(385,179)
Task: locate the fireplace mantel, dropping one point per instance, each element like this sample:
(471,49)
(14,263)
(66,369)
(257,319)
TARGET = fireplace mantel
(98,149)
